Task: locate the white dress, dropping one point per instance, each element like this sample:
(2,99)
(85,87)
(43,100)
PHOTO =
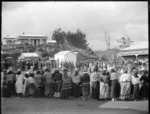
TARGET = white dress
(19,84)
(25,85)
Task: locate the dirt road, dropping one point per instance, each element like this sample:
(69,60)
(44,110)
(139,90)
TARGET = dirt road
(59,106)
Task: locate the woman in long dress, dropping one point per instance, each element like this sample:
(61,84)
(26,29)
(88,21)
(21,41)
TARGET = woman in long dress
(76,79)
(115,85)
(47,78)
(57,78)
(66,85)
(125,80)
(135,82)
(85,85)
(104,86)
(95,76)
(19,84)
(38,80)
(32,86)
(25,84)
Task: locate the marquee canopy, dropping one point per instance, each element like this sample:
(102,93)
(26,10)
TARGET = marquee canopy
(28,55)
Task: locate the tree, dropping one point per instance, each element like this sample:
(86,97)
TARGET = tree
(58,35)
(107,39)
(125,42)
(77,39)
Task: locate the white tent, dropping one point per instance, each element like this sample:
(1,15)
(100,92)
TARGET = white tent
(136,49)
(28,56)
(67,56)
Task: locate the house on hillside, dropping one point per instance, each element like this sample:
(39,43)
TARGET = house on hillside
(32,39)
(9,40)
(139,50)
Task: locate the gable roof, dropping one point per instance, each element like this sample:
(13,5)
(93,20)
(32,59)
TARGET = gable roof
(142,45)
(30,55)
(63,52)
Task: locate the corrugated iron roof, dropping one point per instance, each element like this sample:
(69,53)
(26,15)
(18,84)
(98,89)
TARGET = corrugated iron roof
(138,52)
(142,45)
(63,52)
(30,54)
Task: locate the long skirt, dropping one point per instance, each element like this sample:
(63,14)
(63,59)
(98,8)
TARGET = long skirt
(115,89)
(39,92)
(65,93)
(48,89)
(104,90)
(57,88)
(32,89)
(136,91)
(10,88)
(95,90)
(85,89)
(76,90)
(5,90)
(143,92)
(19,87)
(125,90)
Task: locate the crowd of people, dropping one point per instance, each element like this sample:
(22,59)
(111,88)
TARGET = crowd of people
(129,82)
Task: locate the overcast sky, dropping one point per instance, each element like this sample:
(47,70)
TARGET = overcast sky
(92,18)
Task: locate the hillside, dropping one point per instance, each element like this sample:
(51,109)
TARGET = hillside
(109,54)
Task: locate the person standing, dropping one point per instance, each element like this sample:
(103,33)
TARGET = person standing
(143,92)
(76,79)
(25,86)
(10,80)
(85,85)
(32,86)
(57,79)
(19,84)
(135,82)
(104,86)
(95,77)
(115,85)
(125,80)
(66,85)
(47,78)
(38,81)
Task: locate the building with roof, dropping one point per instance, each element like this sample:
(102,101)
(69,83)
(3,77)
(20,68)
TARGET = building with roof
(28,56)
(67,56)
(32,39)
(79,57)
(139,50)
(9,40)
